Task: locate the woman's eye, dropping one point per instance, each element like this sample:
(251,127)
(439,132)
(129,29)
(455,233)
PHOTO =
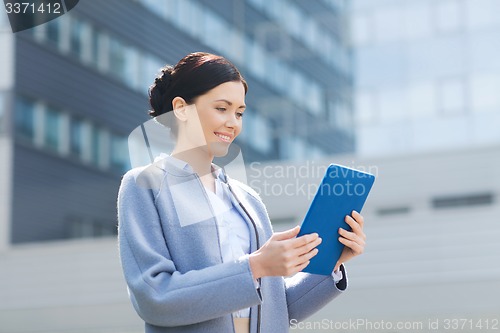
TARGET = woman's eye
(239,114)
(221,109)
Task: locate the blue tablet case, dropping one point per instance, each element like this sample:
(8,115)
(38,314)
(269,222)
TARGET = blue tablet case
(342,190)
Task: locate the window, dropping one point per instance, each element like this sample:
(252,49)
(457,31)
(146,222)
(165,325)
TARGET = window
(293,148)
(388,211)
(186,16)
(275,8)
(94,47)
(388,24)
(52,129)
(100,52)
(485,95)
(417,20)
(166,8)
(422,100)
(123,63)
(480,13)
(294,19)
(307,30)
(117,58)
(294,85)
(297,148)
(236,52)
(76,137)
(256,59)
(366,107)
(24,118)
(150,67)
(213,30)
(131,70)
(452,96)
(77,37)
(463,200)
(96,147)
(483,52)
(392,105)
(341,116)
(119,153)
(262,136)
(258,3)
(447,15)
(86,228)
(316,101)
(54,31)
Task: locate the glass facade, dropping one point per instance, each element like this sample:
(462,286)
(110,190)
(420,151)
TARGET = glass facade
(420,65)
(107,150)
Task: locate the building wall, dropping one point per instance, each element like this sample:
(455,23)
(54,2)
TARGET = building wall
(421,264)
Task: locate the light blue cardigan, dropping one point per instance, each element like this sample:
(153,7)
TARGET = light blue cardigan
(173,266)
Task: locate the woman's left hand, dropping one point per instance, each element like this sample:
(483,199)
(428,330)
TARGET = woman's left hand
(354,240)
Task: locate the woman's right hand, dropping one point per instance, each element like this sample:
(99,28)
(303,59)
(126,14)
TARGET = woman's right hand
(284,254)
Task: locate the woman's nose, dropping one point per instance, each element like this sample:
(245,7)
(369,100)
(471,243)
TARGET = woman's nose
(231,121)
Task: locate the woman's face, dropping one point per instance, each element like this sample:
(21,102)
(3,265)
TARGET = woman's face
(219,113)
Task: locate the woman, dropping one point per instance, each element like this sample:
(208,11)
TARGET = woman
(197,247)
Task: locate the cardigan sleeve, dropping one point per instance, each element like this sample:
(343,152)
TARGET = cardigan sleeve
(161,295)
(307,293)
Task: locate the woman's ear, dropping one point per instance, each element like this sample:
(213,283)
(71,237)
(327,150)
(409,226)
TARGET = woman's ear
(179,107)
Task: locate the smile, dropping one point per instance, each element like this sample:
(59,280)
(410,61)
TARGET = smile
(225,138)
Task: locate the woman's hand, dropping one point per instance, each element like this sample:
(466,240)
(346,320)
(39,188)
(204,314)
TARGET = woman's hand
(283,254)
(354,240)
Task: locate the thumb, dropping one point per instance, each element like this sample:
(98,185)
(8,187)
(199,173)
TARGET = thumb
(287,234)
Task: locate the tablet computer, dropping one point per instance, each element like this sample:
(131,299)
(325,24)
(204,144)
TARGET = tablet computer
(341,191)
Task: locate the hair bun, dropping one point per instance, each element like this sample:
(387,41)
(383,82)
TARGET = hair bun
(163,80)
(158,91)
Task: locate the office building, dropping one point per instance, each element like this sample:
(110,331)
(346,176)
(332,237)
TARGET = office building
(74,88)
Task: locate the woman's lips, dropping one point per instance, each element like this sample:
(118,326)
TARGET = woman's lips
(223,136)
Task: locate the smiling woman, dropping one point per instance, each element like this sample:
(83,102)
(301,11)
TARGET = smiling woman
(197,247)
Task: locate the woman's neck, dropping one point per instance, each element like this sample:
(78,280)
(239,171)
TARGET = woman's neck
(197,158)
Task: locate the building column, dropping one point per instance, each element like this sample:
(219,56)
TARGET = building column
(6,145)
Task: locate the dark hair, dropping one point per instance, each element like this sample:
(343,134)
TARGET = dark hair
(194,75)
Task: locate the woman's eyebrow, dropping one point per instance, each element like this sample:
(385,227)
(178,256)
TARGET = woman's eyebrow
(230,103)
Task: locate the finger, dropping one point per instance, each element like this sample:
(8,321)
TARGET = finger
(352,236)
(303,240)
(302,266)
(307,247)
(358,217)
(356,227)
(355,247)
(287,234)
(355,231)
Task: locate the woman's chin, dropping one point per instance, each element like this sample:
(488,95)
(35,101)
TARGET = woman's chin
(219,149)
